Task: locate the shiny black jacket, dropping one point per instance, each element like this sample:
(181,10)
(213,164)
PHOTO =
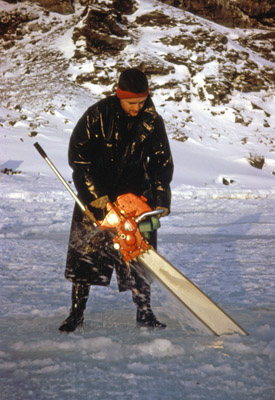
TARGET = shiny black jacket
(112,154)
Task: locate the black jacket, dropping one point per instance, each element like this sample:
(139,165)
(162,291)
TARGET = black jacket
(112,154)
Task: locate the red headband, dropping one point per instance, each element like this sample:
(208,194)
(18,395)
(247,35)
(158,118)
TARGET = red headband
(123,94)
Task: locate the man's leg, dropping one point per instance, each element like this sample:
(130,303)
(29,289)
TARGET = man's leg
(80,294)
(142,295)
(142,299)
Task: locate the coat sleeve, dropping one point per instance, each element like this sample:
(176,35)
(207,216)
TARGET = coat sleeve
(161,166)
(80,159)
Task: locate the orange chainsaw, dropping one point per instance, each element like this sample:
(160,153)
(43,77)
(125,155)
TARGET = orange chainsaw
(126,216)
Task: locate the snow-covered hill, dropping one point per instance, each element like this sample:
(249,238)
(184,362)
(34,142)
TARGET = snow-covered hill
(216,95)
(214,87)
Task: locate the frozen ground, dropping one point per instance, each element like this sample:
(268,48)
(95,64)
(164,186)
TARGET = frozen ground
(226,246)
(220,236)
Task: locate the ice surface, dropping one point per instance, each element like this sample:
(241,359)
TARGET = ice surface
(225,246)
(221,237)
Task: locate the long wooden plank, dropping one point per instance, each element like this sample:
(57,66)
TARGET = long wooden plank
(205,309)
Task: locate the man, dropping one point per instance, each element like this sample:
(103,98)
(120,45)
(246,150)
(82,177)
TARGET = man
(118,146)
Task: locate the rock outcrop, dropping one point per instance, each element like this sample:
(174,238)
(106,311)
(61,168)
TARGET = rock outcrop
(59,6)
(232,13)
(188,60)
(103,30)
(11,26)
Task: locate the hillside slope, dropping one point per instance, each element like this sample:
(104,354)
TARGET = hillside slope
(215,93)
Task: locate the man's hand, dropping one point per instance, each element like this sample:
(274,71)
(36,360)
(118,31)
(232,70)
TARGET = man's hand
(100,202)
(164,213)
(96,210)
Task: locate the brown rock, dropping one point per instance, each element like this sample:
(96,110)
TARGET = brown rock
(256,161)
(11,22)
(155,18)
(242,13)
(125,6)
(102,32)
(59,6)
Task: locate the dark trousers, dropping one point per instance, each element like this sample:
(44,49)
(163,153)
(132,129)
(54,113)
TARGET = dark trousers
(141,291)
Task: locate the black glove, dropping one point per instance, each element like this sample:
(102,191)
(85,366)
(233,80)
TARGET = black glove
(165,211)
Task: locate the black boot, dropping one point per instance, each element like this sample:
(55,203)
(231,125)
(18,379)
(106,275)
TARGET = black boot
(80,294)
(145,316)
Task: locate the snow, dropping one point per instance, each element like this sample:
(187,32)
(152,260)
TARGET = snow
(220,236)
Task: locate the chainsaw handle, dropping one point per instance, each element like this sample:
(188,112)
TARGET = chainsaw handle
(148,214)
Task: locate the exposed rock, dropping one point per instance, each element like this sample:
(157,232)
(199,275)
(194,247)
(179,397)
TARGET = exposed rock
(10,171)
(200,40)
(174,90)
(241,13)
(98,77)
(262,43)
(261,10)
(180,137)
(125,6)
(153,66)
(239,119)
(19,23)
(59,6)
(11,25)
(103,32)
(218,89)
(256,161)
(245,80)
(227,181)
(202,46)
(210,68)
(155,18)
(33,133)
(122,6)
